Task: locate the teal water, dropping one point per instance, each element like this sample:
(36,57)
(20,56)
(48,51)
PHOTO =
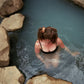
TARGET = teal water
(68,19)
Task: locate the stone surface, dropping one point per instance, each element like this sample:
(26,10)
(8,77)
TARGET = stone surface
(45,79)
(10,6)
(13,22)
(79,2)
(4,47)
(11,75)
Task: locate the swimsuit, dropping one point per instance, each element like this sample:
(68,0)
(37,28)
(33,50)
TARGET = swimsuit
(51,56)
(49,51)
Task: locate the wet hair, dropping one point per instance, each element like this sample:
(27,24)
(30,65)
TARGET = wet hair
(47,33)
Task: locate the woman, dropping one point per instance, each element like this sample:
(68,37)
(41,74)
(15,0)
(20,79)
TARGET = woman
(47,46)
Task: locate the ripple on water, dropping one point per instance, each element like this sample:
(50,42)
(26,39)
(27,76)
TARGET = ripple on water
(80,61)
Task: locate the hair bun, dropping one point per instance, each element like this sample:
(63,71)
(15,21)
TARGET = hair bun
(43,29)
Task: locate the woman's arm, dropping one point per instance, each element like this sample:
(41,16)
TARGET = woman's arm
(37,51)
(72,53)
(61,44)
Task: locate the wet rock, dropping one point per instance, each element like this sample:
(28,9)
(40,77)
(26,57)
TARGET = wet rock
(45,79)
(79,2)
(10,6)
(4,47)
(11,75)
(13,22)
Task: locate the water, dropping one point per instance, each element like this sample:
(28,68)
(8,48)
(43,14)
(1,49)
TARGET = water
(68,19)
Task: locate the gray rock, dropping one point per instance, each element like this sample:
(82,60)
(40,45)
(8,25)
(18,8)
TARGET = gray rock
(4,47)
(45,79)
(10,6)
(79,2)
(13,22)
(11,75)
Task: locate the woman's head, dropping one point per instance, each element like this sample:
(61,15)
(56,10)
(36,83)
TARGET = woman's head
(47,33)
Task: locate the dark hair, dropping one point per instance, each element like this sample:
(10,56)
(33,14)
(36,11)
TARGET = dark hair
(49,33)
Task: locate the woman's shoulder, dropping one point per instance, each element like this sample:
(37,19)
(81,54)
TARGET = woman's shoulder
(37,47)
(37,44)
(59,40)
(60,43)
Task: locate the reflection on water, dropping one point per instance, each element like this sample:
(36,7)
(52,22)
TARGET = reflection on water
(69,21)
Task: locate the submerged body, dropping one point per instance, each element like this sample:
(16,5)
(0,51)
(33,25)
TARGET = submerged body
(49,51)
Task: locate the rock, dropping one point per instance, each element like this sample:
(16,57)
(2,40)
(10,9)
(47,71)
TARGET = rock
(45,79)
(13,22)
(79,2)
(10,6)
(11,75)
(4,47)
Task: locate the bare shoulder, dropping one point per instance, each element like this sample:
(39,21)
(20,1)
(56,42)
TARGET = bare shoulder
(37,47)
(59,40)
(60,43)
(37,44)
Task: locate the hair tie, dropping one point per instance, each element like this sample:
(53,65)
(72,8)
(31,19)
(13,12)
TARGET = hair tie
(43,29)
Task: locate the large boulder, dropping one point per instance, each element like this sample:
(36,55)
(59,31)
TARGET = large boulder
(13,22)
(10,6)
(4,47)
(79,2)
(45,79)
(11,75)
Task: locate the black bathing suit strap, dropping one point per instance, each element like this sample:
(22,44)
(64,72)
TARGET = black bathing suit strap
(40,44)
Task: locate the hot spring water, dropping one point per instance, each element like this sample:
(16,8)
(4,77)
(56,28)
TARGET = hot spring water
(68,19)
